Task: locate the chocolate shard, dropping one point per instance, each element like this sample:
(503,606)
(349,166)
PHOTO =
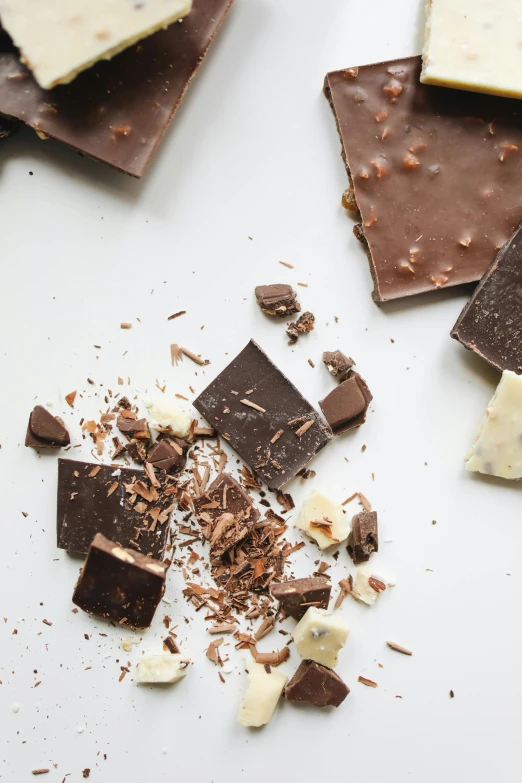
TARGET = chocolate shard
(226,496)
(228,532)
(95,498)
(278,299)
(46,431)
(436,174)
(169,454)
(305,323)
(345,407)
(317,685)
(337,364)
(262,437)
(133,428)
(364,537)
(297,595)
(120,584)
(491,322)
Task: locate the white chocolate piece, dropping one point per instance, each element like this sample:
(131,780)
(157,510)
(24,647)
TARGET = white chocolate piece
(169,418)
(164,668)
(497,449)
(319,635)
(365,584)
(264,691)
(59,39)
(474,45)
(319,508)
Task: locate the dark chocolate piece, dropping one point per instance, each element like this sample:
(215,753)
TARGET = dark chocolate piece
(7,127)
(345,406)
(278,299)
(225,496)
(120,584)
(133,428)
(297,595)
(46,431)
(436,174)
(364,537)
(305,323)
(317,685)
(491,322)
(169,454)
(251,404)
(92,499)
(337,363)
(118,110)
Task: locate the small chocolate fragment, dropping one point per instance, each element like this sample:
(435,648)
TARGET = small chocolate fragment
(317,685)
(305,323)
(133,428)
(225,496)
(46,431)
(169,454)
(278,299)
(337,364)
(297,595)
(253,433)
(364,538)
(345,406)
(120,584)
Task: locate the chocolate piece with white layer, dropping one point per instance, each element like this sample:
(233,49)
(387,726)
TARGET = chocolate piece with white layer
(46,431)
(278,299)
(345,407)
(317,685)
(364,537)
(297,595)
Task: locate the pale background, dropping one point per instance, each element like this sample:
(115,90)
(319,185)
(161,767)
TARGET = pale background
(253,152)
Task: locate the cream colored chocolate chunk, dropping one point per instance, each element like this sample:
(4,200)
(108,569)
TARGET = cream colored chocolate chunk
(58,40)
(368,586)
(474,45)
(165,668)
(323,520)
(319,636)
(497,449)
(264,691)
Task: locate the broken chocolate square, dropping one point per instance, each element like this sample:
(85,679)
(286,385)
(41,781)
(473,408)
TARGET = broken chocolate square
(364,537)
(345,406)
(317,685)
(120,584)
(297,595)
(133,427)
(337,363)
(251,404)
(46,431)
(278,299)
(169,454)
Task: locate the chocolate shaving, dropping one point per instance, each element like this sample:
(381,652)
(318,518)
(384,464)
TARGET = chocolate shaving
(273,658)
(399,648)
(366,681)
(194,357)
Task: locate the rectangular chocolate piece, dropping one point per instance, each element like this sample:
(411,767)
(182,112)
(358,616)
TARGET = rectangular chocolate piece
(92,499)
(436,174)
(117,111)
(263,417)
(120,584)
(491,322)
(297,595)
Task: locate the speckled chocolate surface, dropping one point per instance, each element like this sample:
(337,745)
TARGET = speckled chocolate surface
(436,174)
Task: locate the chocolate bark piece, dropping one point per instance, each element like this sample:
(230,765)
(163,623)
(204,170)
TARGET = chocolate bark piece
(120,584)
(337,364)
(491,322)
(46,431)
(436,174)
(117,111)
(345,406)
(297,595)
(305,323)
(95,498)
(317,685)
(169,454)
(225,496)
(278,299)
(364,537)
(133,428)
(251,404)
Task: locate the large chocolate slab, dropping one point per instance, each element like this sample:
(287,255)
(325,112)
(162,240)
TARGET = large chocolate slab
(263,417)
(89,503)
(117,111)
(491,322)
(436,174)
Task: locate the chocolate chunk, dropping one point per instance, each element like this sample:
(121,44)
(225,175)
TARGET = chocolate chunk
(337,363)
(133,428)
(250,404)
(436,174)
(278,299)
(45,431)
(305,323)
(120,584)
(95,498)
(225,496)
(297,595)
(136,450)
(364,537)
(491,322)
(169,454)
(317,685)
(345,406)
(118,110)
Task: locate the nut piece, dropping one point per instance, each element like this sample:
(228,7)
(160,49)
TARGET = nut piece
(320,635)
(164,668)
(264,691)
(323,520)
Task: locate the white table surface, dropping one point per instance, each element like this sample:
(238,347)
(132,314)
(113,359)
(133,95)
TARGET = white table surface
(253,152)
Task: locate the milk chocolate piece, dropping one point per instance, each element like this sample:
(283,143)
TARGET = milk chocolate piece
(436,174)
(337,364)
(305,323)
(364,537)
(169,454)
(117,111)
(297,595)
(225,496)
(345,406)
(278,299)
(317,685)
(251,404)
(120,584)
(491,322)
(133,428)
(45,431)
(95,498)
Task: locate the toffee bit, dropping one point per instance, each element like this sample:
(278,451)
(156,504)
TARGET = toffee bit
(399,648)
(253,405)
(176,315)
(194,357)
(366,681)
